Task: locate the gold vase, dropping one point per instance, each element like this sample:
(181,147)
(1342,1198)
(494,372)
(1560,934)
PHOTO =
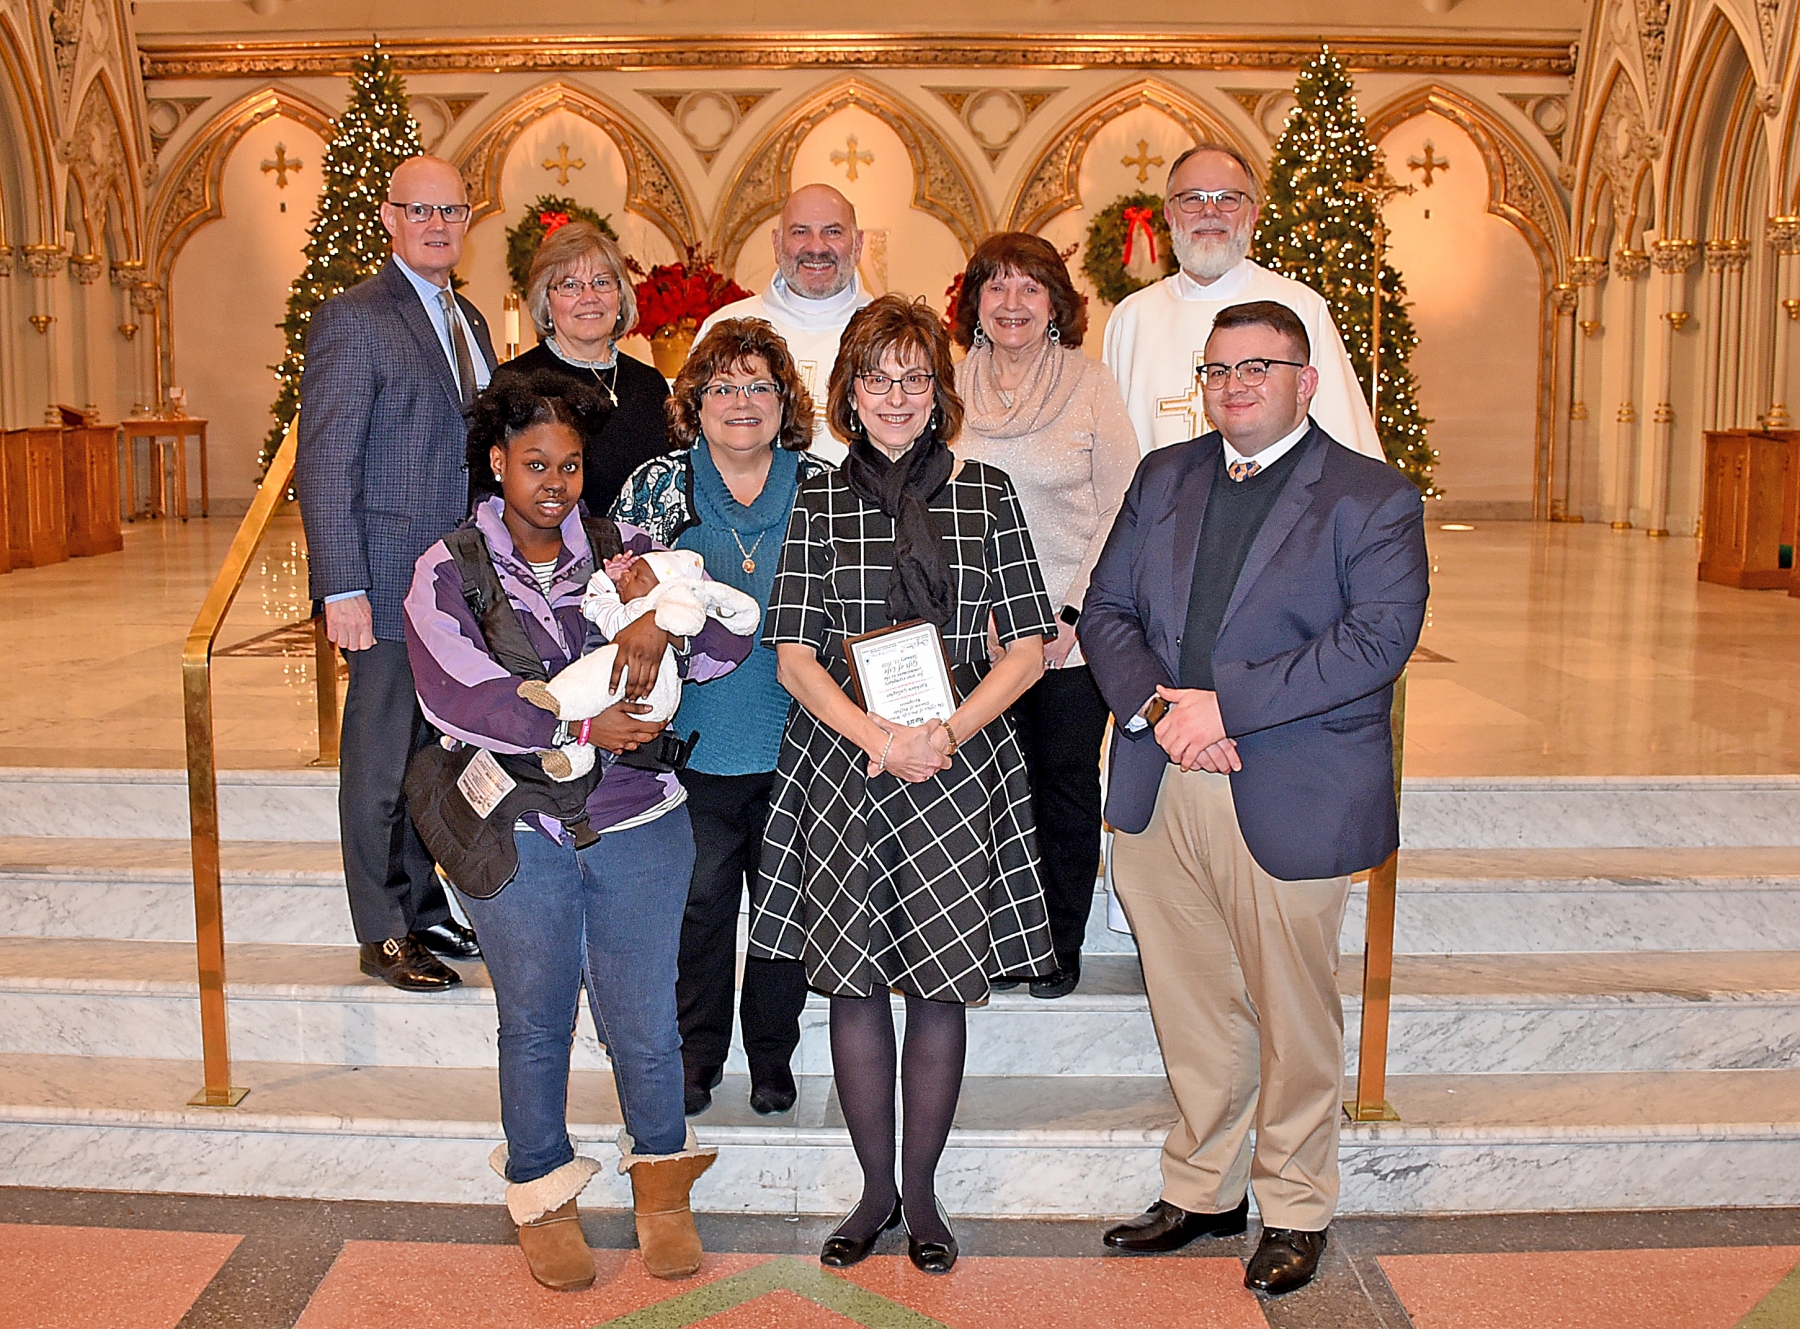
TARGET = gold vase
(669,348)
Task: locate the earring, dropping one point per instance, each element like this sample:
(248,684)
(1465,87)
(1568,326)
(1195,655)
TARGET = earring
(496,475)
(981,337)
(1055,335)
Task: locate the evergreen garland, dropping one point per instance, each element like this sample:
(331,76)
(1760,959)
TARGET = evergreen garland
(1318,232)
(549,214)
(348,243)
(1104,261)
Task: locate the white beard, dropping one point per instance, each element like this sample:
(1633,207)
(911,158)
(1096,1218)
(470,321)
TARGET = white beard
(1208,260)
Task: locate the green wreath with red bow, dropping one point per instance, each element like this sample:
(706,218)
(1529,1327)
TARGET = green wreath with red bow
(541,219)
(1114,238)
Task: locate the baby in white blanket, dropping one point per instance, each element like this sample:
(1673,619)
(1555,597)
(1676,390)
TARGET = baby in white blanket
(672,584)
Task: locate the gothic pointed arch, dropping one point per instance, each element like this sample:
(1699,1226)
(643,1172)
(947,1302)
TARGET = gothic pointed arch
(943,184)
(190,195)
(101,165)
(1613,168)
(22,103)
(1520,191)
(1052,185)
(1711,81)
(652,187)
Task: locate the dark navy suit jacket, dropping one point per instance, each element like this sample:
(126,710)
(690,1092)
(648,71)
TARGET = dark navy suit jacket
(1321,620)
(381,469)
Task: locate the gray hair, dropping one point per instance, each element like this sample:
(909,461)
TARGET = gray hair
(1224,150)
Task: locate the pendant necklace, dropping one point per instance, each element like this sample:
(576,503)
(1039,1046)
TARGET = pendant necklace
(749,554)
(611,396)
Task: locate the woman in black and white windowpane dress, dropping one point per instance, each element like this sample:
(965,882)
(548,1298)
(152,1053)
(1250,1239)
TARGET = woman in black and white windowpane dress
(902,858)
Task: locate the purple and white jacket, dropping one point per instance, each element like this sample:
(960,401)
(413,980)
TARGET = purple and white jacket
(464,691)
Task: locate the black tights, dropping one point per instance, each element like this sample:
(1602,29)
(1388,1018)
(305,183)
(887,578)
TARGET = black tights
(862,1056)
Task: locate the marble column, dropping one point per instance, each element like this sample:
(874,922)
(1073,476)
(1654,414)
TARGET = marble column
(1588,272)
(146,302)
(1784,237)
(127,276)
(44,263)
(1672,258)
(1630,267)
(1731,335)
(9,351)
(1712,330)
(86,269)
(1564,299)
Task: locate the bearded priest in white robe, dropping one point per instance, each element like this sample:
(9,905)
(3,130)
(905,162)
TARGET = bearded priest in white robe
(813,294)
(1154,339)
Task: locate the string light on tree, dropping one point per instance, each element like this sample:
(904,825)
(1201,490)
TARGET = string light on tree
(1318,228)
(347,243)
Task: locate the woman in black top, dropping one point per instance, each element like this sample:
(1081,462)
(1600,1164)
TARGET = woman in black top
(581,300)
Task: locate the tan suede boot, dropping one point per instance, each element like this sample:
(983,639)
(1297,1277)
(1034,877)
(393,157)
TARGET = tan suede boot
(556,1251)
(667,1238)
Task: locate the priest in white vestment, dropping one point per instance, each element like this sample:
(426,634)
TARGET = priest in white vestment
(813,295)
(1156,337)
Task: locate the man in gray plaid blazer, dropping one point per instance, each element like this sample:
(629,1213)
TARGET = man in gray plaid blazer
(391,367)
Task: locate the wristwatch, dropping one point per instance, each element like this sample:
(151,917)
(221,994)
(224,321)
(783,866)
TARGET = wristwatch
(1070,615)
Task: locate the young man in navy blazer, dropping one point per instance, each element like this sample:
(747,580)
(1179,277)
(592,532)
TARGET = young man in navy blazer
(1257,597)
(391,366)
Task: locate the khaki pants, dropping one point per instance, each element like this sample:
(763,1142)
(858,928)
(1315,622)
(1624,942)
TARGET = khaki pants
(1241,970)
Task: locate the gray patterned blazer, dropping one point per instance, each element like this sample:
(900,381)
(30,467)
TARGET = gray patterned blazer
(381,471)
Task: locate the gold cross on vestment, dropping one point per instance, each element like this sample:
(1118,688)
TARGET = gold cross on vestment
(1192,406)
(1428,163)
(562,163)
(850,156)
(1143,161)
(281,164)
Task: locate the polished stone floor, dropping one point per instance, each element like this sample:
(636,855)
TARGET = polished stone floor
(1550,650)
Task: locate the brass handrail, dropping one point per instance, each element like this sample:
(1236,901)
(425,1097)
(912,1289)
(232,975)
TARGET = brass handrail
(202,763)
(1370,1103)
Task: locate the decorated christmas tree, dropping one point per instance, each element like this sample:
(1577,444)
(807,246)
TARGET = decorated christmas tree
(348,244)
(1317,230)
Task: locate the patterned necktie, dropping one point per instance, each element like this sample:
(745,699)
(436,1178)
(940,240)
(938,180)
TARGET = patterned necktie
(459,344)
(1243,470)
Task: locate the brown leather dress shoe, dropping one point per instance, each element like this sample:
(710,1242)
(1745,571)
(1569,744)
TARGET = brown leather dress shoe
(1286,1258)
(403,963)
(1165,1227)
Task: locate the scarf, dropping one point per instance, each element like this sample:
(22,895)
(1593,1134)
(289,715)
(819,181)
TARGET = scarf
(921,585)
(1040,398)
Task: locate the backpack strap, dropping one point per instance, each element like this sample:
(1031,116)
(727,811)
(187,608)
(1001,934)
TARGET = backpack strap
(603,538)
(506,638)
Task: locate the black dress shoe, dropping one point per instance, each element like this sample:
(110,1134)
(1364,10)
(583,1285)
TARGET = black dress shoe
(772,1091)
(840,1252)
(1286,1258)
(1060,982)
(1005,984)
(932,1257)
(1165,1227)
(696,1090)
(449,939)
(403,963)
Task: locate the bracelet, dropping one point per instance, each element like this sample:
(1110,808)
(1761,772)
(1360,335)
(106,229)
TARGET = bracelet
(881,765)
(581,735)
(954,745)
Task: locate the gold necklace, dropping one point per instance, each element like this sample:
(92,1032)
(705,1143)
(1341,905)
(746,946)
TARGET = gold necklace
(749,559)
(611,395)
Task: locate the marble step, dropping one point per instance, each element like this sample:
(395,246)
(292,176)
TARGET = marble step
(1437,812)
(1451,901)
(1064,1146)
(1450,1014)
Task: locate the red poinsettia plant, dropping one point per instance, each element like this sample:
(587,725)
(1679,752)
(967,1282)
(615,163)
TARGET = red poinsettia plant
(674,298)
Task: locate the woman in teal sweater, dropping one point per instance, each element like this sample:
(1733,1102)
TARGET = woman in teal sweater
(745,417)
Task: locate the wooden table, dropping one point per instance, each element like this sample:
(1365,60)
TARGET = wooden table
(180,430)
(1751,507)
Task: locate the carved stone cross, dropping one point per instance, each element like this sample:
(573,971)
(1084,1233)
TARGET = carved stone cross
(1192,407)
(850,156)
(562,163)
(1428,163)
(281,164)
(1143,161)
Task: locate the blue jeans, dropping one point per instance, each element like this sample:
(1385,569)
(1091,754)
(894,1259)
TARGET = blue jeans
(609,915)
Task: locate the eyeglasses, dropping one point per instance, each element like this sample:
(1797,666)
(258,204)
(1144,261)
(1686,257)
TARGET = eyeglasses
(915,384)
(1250,373)
(454,213)
(573,288)
(760,391)
(1191,201)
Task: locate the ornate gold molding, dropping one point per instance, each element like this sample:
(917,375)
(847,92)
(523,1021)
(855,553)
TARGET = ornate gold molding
(43,260)
(943,185)
(1673,257)
(1418,55)
(652,189)
(1052,185)
(1630,264)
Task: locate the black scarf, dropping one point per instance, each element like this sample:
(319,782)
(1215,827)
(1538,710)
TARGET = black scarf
(921,586)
